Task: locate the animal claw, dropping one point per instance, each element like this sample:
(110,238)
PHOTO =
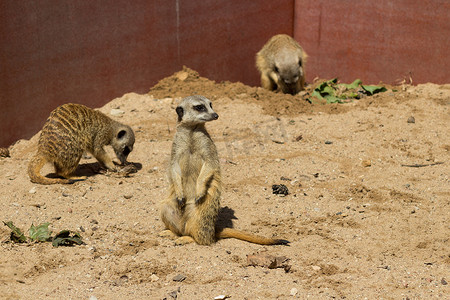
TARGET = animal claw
(181,201)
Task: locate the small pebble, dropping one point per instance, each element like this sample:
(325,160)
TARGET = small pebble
(411,120)
(116,112)
(128,196)
(316,268)
(92,298)
(443,281)
(33,190)
(366,163)
(293,292)
(179,278)
(328,142)
(221,297)
(154,278)
(173,294)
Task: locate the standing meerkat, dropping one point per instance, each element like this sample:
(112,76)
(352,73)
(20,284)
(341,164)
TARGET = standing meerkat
(191,209)
(281,64)
(70,130)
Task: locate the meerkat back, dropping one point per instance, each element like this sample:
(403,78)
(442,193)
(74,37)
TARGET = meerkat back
(72,129)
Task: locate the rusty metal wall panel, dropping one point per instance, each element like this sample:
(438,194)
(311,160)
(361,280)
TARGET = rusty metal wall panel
(375,40)
(221,38)
(53,52)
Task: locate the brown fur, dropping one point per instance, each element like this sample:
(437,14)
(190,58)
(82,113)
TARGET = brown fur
(281,64)
(72,129)
(191,209)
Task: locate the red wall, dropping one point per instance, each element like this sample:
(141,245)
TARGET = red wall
(375,40)
(89,52)
(54,51)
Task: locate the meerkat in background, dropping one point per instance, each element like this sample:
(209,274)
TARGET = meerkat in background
(281,64)
(191,209)
(72,129)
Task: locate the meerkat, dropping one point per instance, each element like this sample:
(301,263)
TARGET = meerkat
(281,64)
(70,130)
(190,211)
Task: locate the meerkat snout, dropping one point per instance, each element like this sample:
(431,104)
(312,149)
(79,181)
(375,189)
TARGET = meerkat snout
(123,143)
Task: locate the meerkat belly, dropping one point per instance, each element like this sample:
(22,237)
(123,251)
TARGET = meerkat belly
(191,165)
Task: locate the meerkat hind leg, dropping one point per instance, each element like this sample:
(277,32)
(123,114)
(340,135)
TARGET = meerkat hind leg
(167,233)
(68,174)
(183,240)
(75,178)
(171,217)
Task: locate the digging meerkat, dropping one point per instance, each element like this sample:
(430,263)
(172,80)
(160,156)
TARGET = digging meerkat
(70,130)
(281,64)
(190,211)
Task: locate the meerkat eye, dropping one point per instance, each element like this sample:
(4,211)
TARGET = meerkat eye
(276,69)
(300,63)
(200,107)
(121,134)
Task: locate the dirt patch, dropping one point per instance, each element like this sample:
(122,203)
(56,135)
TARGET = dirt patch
(365,207)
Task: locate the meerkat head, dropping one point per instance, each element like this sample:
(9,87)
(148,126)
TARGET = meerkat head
(195,110)
(288,65)
(123,142)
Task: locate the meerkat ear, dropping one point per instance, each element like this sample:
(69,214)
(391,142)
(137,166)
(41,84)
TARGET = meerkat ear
(180,113)
(121,134)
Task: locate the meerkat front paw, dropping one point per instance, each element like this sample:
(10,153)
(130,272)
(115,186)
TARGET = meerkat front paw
(181,202)
(200,194)
(199,199)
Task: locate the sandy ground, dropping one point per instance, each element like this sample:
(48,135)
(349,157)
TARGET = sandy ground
(367,212)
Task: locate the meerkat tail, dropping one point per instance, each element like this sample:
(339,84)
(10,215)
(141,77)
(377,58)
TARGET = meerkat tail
(248,237)
(34,171)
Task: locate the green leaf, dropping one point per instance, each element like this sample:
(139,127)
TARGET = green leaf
(316,94)
(325,84)
(332,81)
(16,234)
(349,95)
(40,233)
(64,238)
(354,85)
(373,89)
(328,90)
(333,99)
